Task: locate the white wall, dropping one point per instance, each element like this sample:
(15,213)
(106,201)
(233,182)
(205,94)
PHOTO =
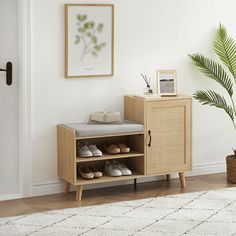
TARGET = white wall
(149,35)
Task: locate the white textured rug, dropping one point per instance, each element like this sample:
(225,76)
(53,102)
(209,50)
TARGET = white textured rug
(200,213)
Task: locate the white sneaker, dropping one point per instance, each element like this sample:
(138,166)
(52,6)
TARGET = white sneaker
(95,151)
(122,167)
(112,170)
(83,151)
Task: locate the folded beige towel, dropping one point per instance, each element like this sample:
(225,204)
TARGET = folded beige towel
(105,117)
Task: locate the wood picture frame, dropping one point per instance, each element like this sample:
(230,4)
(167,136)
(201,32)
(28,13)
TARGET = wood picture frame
(167,82)
(89,40)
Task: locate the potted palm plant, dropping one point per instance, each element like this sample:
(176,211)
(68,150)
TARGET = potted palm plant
(225,75)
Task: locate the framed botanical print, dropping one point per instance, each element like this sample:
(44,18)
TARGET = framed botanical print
(166,82)
(89,40)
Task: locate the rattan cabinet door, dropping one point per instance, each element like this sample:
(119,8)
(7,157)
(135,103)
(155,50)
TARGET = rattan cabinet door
(169,136)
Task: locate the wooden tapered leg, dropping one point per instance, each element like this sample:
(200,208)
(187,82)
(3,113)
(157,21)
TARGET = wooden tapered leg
(67,188)
(167,177)
(135,184)
(79,190)
(182,179)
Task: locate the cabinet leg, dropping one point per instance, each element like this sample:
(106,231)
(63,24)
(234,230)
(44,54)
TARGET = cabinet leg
(79,190)
(67,188)
(135,184)
(167,177)
(182,179)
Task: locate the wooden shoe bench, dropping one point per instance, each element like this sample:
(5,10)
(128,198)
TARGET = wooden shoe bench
(160,142)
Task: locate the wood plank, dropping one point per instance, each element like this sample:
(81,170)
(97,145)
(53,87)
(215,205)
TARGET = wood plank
(108,135)
(154,98)
(167,177)
(106,156)
(66,151)
(134,109)
(182,180)
(79,190)
(67,187)
(105,178)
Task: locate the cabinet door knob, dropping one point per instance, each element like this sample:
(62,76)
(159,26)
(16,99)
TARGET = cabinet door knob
(150,138)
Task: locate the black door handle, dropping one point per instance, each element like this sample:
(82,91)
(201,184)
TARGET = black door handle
(8,71)
(150,140)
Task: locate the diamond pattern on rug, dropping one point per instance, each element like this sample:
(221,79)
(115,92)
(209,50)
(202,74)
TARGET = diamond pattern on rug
(213,228)
(207,204)
(164,202)
(143,212)
(224,216)
(87,222)
(128,224)
(171,226)
(220,195)
(107,232)
(191,214)
(4,221)
(197,214)
(18,230)
(40,219)
(107,210)
(60,231)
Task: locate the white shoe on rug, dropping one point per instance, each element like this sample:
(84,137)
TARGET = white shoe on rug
(122,167)
(95,151)
(112,170)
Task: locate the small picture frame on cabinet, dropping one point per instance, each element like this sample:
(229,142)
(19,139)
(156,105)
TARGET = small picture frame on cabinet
(167,82)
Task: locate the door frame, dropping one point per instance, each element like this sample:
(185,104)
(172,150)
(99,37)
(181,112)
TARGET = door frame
(25,182)
(24,106)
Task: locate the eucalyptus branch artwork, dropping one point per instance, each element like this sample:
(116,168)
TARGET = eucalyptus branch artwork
(89,40)
(88,36)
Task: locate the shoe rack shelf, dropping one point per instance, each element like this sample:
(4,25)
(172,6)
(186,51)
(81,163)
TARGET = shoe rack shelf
(106,156)
(107,135)
(69,161)
(105,178)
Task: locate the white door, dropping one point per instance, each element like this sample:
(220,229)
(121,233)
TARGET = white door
(9,173)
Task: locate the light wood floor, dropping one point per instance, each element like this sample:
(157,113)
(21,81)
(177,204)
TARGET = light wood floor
(112,194)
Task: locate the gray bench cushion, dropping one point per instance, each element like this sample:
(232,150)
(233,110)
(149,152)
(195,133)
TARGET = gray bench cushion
(85,130)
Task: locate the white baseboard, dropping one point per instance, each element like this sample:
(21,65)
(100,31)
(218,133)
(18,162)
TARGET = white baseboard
(208,168)
(56,186)
(10,196)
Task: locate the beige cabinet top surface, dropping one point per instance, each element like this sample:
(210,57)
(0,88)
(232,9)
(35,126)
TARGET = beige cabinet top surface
(155,97)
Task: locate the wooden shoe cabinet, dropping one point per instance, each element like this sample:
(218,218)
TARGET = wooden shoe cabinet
(162,148)
(68,161)
(168,133)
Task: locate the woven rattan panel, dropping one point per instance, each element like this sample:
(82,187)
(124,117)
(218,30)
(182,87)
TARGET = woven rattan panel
(168,138)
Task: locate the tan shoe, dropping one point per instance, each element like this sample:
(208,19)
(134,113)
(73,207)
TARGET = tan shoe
(85,172)
(97,173)
(123,148)
(112,149)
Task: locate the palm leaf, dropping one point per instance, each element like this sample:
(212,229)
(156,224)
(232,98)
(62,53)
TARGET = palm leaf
(214,71)
(214,99)
(225,48)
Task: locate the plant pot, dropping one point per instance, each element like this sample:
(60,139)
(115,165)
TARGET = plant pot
(231,168)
